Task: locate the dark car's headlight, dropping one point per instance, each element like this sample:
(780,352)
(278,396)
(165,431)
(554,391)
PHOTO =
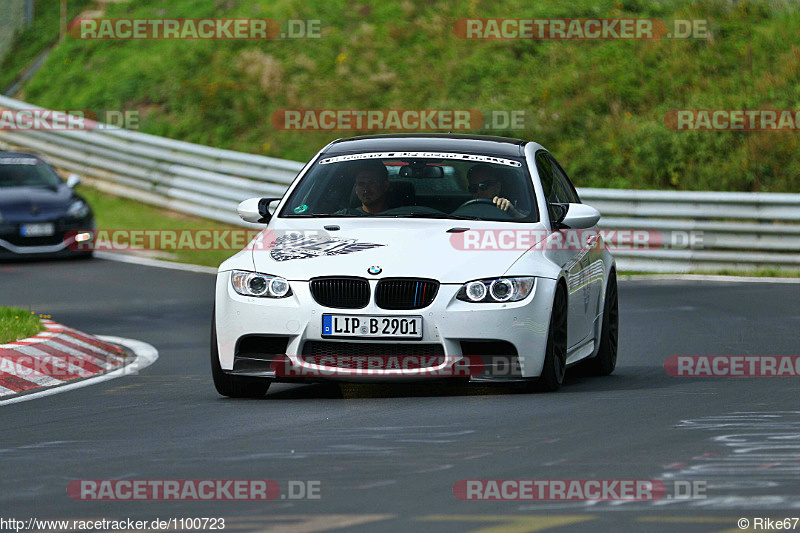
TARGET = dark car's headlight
(496,290)
(261,285)
(78,209)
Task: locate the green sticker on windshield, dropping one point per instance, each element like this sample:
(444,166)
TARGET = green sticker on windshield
(300,209)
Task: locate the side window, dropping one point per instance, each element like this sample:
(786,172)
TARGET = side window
(554,190)
(545,174)
(561,178)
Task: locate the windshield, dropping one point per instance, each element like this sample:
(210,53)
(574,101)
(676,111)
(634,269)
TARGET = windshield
(416,184)
(26,172)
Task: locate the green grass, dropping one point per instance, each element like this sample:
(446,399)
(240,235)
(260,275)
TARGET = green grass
(113,212)
(16,324)
(764,273)
(598,105)
(35,39)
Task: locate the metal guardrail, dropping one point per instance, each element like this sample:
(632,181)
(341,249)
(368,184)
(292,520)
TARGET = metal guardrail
(729,230)
(185,177)
(704,230)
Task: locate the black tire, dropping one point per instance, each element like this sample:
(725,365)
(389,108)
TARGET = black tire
(555,360)
(233,386)
(605,361)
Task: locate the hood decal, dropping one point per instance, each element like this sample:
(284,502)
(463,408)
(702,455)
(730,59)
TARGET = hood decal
(288,247)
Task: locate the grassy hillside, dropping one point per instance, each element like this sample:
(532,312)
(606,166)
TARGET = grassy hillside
(31,41)
(598,105)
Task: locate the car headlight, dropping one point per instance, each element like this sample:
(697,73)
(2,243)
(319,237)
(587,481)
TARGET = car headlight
(496,290)
(78,209)
(260,285)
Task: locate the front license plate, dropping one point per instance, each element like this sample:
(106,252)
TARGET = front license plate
(37,230)
(406,327)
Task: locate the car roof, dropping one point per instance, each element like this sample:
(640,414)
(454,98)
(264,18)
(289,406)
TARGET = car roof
(439,142)
(20,155)
(16,155)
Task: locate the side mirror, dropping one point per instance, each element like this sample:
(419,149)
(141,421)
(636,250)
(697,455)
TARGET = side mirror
(576,216)
(73,180)
(256,210)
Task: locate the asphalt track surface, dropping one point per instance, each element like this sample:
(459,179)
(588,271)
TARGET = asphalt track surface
(387,457)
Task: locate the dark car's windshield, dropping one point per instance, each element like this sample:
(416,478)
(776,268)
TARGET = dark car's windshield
(26,172)
(416,184)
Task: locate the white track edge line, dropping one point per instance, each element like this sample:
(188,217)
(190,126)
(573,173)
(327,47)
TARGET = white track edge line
(145,261)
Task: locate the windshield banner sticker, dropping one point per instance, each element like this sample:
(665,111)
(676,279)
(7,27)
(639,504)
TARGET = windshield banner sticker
(290,247)
(423,155)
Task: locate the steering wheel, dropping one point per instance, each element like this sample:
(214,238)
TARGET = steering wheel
(475,201)
(480,207)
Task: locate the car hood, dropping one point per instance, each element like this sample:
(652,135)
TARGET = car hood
(22,199)
(301,250)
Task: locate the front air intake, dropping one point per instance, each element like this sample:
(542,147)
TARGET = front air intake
(405,293)
(342,293)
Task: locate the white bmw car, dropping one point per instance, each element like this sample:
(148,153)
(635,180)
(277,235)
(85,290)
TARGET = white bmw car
(418,257)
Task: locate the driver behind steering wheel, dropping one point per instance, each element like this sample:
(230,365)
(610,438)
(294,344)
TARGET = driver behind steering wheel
(484,183)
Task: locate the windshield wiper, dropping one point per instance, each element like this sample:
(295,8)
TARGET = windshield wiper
(436,215)
(318,215)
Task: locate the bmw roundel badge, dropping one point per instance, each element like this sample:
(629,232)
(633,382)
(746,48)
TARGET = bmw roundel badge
(374,270)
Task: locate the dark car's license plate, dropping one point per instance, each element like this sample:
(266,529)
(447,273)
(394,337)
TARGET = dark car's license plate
(37,230)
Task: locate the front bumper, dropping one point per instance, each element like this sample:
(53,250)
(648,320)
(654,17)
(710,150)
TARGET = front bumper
(448,323)
(61,244)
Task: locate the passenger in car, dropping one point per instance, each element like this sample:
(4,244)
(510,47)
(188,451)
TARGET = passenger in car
(485,183)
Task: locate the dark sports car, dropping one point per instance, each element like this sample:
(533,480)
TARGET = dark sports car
(40,215)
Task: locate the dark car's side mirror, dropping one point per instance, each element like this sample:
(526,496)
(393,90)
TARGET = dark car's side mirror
(73,180)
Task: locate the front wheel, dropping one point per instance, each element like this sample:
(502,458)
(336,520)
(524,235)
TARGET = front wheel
(605,361)
(233,386)
(555,360)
